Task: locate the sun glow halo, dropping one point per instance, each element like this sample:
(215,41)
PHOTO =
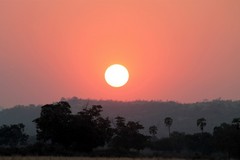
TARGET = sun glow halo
(116,75)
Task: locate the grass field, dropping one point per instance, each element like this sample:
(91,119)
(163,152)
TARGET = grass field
(79,158)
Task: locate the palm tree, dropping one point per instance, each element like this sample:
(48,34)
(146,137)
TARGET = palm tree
(168,122)
(153,130)
(201,123)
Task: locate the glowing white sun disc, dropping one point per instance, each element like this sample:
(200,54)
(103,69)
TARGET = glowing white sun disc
(116,75)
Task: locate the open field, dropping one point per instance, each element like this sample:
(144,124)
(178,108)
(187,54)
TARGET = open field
(80,158)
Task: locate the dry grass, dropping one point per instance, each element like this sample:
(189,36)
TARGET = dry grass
(79,158)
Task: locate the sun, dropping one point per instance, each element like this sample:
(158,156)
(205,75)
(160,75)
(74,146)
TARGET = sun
(116,75)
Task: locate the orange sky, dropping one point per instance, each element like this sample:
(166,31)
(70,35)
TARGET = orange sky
(183,50)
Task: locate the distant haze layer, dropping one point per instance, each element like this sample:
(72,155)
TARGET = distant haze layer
(185,50)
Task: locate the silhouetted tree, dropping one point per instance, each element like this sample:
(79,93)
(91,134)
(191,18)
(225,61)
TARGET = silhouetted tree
(175,142)
(168,122)
(200,142)
(153,130)
(127,135)
(120,122)
(89,129)
(178,140)
(201,123)
(83,131)
(227,139)
(53,123)
(236,122)
(13,135)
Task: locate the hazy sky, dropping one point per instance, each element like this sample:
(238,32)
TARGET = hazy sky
(183,50)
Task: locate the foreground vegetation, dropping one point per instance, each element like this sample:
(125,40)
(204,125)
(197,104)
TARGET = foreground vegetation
(88,133)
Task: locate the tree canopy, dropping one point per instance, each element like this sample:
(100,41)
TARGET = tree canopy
(13,135)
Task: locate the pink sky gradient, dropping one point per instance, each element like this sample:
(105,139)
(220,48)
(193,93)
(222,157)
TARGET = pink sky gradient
(182,50)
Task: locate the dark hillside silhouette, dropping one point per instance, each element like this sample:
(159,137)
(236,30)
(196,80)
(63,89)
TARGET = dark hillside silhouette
(89,133)
(147,112)
(21,114)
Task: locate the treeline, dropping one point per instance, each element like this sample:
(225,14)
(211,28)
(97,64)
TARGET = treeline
(60,132)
